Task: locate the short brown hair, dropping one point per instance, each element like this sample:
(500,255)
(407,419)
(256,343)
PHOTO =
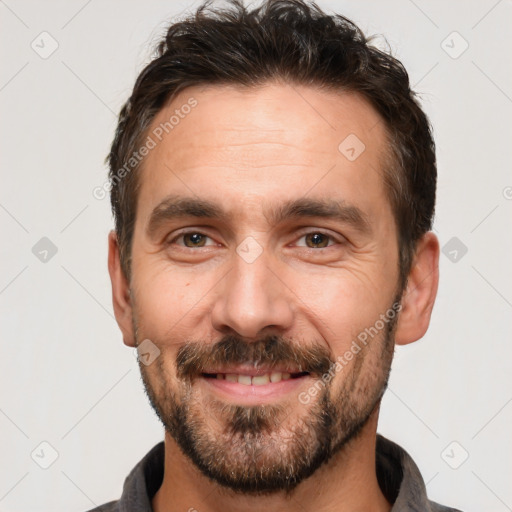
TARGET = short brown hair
(295,42)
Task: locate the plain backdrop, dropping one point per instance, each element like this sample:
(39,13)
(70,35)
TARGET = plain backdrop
(71,397)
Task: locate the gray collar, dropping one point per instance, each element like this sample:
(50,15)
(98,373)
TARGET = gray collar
(397,474)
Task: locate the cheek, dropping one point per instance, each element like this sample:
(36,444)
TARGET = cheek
(342,302)
(167,299)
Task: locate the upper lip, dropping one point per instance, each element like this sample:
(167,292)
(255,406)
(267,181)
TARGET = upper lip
(253,371)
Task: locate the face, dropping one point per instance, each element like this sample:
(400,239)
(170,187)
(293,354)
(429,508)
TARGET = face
(264,247)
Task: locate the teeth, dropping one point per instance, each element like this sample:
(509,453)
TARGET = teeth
(276,376)
(244,379)
(257,380)
(260,380)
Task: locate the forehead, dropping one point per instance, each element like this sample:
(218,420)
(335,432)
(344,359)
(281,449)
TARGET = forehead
(245,144)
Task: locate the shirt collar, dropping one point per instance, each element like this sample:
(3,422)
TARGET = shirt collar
(398,476)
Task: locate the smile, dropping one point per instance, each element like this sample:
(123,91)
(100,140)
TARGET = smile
(255,380)
(250,386)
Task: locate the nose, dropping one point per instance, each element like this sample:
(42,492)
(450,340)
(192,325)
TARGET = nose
(252,299)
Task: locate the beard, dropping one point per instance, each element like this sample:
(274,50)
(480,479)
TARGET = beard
(267,448)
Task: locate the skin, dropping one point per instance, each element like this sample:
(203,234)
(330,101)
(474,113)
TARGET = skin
(250,148)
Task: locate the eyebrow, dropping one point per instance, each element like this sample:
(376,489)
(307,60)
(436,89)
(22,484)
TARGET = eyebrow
(177,207)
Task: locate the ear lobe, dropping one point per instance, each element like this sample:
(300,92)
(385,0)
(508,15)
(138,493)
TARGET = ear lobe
(121,299)
(420,294)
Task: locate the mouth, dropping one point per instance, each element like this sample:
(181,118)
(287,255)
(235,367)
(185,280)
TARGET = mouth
(256,378)
(251,386)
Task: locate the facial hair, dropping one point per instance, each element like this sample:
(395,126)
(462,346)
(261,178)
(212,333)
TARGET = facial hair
(263,449)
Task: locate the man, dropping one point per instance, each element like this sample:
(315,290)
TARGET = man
(273,186)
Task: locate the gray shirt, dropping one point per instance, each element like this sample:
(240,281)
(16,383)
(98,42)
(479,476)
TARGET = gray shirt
(398,476)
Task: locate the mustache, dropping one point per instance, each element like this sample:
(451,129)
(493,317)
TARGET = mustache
(194,358)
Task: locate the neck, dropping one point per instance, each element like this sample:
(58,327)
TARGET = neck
(347,482)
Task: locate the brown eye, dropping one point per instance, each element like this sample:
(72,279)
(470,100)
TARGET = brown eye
(194,239)
(317,240)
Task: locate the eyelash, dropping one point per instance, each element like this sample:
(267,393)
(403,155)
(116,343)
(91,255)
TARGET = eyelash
(304,234)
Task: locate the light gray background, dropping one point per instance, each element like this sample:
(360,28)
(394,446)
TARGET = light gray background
(66,377)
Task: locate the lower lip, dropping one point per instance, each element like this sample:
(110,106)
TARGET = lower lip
(253,394)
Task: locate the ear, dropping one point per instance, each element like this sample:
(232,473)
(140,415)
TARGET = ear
(120,291)
(420,293)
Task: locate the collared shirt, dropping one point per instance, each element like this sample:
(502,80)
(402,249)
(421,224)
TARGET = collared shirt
(398,476)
